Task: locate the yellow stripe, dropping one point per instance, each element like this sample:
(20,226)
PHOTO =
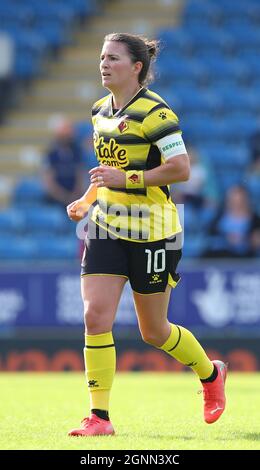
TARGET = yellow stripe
(171,282)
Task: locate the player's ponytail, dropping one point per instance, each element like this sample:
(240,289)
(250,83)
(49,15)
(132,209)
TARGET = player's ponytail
(153,48)
(140,49)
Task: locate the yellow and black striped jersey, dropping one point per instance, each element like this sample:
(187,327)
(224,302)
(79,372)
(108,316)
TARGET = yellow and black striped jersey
(126,139)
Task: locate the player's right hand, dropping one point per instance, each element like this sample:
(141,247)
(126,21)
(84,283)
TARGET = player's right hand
(76,210)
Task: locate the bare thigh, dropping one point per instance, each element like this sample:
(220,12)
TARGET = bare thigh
(152,312)
(101,295)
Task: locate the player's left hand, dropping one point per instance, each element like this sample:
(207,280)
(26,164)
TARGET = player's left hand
(104,176)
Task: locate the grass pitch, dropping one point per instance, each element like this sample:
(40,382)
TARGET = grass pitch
(148,410)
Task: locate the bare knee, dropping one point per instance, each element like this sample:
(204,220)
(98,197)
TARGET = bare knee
(154,338)
(95,321)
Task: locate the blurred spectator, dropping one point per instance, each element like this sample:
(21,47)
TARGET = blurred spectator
(84,135)
(254,145)
(63,167)
(253,173)
(199,195)
(6,70)
(236,230)
(200,189)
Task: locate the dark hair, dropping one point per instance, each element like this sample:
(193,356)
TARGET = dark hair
(140,49)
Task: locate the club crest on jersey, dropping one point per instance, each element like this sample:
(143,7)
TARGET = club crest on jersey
(123,126)
(134,178)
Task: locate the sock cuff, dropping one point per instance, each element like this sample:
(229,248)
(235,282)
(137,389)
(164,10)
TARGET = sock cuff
(173,340)
(103,340)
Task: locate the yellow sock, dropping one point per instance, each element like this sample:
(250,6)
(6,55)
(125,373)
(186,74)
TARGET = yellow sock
(100,365)
(184,347)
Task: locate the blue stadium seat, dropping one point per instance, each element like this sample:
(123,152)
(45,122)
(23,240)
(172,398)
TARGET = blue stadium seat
(204,130)
(29,190)
(246,36)
(235,99)
(201,12)
(33,248)
(12,220)
(54,33)
(226,156)
(194,245)
(252,182)
(83,130)
(221,68)
(192,69)
(228,178)
(239,127)
(175,40)
(206,38)
(52,11)
(57,248)
(193,99)
(27,65)
(17,248)
(45,218)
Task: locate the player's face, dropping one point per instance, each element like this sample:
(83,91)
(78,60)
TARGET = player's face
(116,66)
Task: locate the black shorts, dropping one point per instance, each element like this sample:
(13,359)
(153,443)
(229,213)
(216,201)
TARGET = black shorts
(149,266)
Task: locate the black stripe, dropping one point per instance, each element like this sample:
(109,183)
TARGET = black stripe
(138,117)
(153,158)
(136,97)
(158,106)
(152,98)
(153,137)
(103,109)
(130,211)
(136,165)
(105,112)
(140,191)
(165,190)
(130,139)
(126,233)
(169,350)
(100,347)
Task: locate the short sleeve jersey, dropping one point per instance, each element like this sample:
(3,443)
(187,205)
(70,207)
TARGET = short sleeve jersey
(127,140)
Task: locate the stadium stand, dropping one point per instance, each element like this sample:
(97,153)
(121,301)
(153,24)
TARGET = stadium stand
(210,52)
(57,52)
(215,89)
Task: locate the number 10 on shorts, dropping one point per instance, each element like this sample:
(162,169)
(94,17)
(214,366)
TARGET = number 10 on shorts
(156,261)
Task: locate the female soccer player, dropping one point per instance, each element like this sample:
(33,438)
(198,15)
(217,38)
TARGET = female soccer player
(140,150)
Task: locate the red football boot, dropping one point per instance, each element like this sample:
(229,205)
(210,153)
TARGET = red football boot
(93,426)
(214,394)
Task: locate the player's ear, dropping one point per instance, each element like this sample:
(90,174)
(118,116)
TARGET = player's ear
(138,67)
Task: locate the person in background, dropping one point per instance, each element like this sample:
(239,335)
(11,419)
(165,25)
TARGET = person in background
(254,146)
(63,172)
(7,54)
(200,190)
(236,229)
(140,150)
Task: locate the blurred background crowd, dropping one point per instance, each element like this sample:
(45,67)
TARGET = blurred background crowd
(208,72)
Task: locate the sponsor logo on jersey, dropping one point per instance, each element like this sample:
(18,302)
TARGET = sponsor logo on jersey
(111,153)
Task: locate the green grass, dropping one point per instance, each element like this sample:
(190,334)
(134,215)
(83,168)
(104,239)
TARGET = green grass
(148,410)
